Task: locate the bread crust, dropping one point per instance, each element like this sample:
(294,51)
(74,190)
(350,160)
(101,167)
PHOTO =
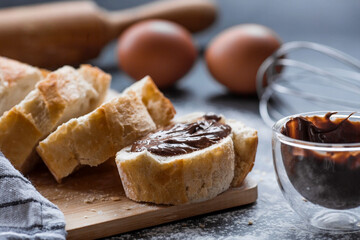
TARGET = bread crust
(159,107)
(245,144)
(64,94)
(99,135)
(16,81)
(188,178)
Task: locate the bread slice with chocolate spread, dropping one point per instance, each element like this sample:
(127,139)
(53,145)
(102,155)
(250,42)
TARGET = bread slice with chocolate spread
(193,160)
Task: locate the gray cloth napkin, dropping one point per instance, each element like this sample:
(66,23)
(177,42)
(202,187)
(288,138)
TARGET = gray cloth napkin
(24,213)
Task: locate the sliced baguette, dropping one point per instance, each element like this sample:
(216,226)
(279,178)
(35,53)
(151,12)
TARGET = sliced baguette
(62,95)
(16,81)
(97,136)
(192,177)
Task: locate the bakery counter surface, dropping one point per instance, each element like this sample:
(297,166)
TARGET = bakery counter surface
(269,217)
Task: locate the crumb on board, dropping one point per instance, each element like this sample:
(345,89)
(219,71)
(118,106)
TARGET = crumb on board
(92,210)
(250,222)
(85,217)
(115,199)
(201,225)
(89,200)
(105,197)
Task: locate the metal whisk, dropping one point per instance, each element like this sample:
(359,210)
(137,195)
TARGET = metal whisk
(287,86)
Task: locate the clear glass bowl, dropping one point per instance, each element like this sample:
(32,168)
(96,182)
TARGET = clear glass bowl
(323,192)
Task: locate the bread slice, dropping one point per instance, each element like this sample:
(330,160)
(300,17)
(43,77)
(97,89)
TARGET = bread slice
(187,178)
(64,94)
(16,81)
(191,177)
(97,136)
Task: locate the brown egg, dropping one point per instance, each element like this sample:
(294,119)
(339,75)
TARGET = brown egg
(236,54)
(161,49)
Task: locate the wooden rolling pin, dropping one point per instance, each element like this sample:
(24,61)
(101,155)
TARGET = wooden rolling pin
(52,35)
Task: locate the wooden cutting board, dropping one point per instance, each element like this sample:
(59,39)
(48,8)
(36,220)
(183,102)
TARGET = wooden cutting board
(94,203)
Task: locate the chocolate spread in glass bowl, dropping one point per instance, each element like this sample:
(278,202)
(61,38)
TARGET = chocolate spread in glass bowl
(183,138)
(330,179)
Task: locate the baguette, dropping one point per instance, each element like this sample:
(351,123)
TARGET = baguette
(97,136)
(190,177)
(62,95)
(16,81)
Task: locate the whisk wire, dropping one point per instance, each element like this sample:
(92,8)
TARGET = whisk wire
(273,73)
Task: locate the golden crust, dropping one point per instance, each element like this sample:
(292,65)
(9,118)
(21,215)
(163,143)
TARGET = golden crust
(160,108)
(64,94)
(188,178)
(68,162)
(245,143)
(110,127)
(17,130)
(44,72)
(50,96)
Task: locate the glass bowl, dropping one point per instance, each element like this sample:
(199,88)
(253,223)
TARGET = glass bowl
(322,191)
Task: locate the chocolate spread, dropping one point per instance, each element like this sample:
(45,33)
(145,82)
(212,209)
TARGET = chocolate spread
(329,179)
(184,138)
(323,129)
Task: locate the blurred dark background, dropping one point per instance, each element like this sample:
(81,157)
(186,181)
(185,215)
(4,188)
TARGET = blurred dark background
(331,22)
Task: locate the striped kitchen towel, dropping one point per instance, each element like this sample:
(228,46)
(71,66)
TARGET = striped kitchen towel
(24,213)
